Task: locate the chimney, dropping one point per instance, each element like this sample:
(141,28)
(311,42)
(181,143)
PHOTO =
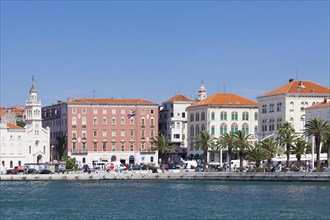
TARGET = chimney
(291,80)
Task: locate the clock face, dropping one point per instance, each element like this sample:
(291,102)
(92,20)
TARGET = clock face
(37,126)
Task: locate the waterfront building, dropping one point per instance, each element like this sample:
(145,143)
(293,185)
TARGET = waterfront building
(29,144)
(94,130)
(173,123)
(320,110)
(220,114)
(288,103)
(7,116)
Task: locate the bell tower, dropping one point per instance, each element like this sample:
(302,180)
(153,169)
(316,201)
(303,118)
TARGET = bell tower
(202,94)
(33,108)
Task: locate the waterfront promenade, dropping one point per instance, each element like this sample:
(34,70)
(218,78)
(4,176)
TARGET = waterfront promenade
(181,175)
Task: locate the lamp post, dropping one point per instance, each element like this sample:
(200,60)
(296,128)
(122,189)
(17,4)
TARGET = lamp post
(268,136)
(51,153)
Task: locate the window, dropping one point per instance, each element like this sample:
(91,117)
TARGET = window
(223,116)
(104,121)
(84,111)
(113,146)
(197,130)
(122,111)
(255,130)
(74,146)
(113,133)
(131,146)
(176,136)
(142,134)
(95,111)
(152,134)
(94,121)
(143,122)
(74,135)
(131,121)
(104,111)
(122,121)
(83,121)
(256,116)
(143,147)
(191,117)
(271,124)
(74,111)
(95,133)
(212,130)
(264,109)
(152,111)
(113,121)
(131,133)
(245,129)
(104,133)
(152,122)
(271,108)
(223,129)
(234,127)
(74,121)
(11,164)
(104,146)
(183,114)
(279,123)
(234,116)
(84,146)
(291,107)
(212,115)
(29,149)
(191,131)
(279,106)
(245,116)
(197,116)
(203,127)
(95,146)
(122,146)
(203,116)
(122,133)
(113,111)
(143,111)
(302,106)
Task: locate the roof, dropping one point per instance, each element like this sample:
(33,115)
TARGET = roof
(180,98)
(111,101)
(3,111)
(18,110)
(225,99)
(320,105)
(300,87)
(12,126)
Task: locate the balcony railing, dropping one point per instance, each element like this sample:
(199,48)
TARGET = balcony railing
(79,152)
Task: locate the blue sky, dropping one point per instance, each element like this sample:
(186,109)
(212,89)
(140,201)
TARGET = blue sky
(156,49)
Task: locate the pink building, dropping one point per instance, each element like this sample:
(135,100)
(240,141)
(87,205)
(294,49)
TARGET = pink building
(102,130)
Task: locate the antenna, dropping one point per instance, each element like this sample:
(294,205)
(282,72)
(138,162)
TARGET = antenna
(93,91)
(296,73)
(224,88)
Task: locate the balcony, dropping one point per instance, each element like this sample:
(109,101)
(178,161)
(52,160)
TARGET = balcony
(79,152)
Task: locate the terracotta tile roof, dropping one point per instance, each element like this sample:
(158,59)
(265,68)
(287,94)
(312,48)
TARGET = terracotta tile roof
(3,111)
(299,86)
(112,101)
(225,99)
(12,126)
(18,110)
(319,105)
(180,98)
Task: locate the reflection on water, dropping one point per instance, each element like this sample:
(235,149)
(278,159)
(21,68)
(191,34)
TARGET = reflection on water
(164,200)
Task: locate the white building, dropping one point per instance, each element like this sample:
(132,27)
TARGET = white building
(288,103)
(220,114)
(29,144)
(173,122)
(319,110)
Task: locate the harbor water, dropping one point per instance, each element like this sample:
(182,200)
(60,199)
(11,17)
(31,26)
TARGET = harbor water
(120,199)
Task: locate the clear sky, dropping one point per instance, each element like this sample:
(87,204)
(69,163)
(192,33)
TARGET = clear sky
(156,49)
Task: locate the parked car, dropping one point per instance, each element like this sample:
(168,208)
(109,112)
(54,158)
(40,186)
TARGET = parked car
(32,171)
(136,167)
(199,168)
(11,172)
(45,172)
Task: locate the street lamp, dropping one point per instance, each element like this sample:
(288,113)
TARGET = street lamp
(268,136)
(51,153)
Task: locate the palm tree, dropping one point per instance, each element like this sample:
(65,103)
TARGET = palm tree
(204,141)
(61,145)
(161,144)
(287,136)
(242,144)
(326,143)
(256,154)
(228,140)
(271,148)
(299,148)
(317,128)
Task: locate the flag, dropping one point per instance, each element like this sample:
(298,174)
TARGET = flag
(131,114)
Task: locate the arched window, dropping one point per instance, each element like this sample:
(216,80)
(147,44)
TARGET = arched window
(104,121)
(11,164)
(191,131)
(94,121)
(234,127)
(245,129)
(191,117)
(256,130)
(223,116)
(291,121)
(83,121)
(203,116)
(74,121)
(234,116)
(302,106)
(19,163)
(113,121)
(152,123)
(3,163)
(122,121)
(84,160)
(212,130)
(245,116)
(197,116)
(291,107)
(212,115)
(143,122)
(223,129)
(203,127)
(256,116)
(29,149)
(197,130)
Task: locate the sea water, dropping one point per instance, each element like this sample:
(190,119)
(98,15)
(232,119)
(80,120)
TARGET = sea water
(164,200)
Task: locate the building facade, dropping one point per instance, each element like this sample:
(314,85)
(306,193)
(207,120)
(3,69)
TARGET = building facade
(320,110)
(29,144)
(103,130)
(287,104)
(219,114)
(173,123)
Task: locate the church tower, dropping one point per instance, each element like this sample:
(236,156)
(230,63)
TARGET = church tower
(33,108)
(202,93)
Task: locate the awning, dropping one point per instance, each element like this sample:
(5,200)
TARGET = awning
(131,157)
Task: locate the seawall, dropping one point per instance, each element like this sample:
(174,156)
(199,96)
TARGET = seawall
(146,175)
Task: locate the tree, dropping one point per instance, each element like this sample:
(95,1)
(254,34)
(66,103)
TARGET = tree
(70,163)
(299,148)
(204,141)
(162,145)
(326,143)
(287,136)
(256,154)
(317,128)
(61,145)
(242,144)
(20,123)
(228,141)
(271,148)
